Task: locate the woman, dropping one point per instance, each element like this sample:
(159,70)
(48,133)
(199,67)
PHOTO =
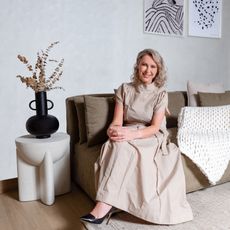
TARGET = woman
(138,171)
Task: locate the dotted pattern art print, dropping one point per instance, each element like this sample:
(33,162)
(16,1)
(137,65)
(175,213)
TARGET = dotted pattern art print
(164,17)
(205,18)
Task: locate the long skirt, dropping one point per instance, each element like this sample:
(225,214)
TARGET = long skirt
(140,178)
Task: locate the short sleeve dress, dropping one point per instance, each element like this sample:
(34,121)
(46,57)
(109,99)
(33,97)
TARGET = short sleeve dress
(143,177)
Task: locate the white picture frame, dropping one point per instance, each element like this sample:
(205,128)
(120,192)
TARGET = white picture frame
(164,17)
(205,18)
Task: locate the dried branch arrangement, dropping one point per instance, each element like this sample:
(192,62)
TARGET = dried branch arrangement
(37,81)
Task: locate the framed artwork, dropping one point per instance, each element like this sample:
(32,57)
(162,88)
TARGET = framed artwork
(205,18)
(164,17)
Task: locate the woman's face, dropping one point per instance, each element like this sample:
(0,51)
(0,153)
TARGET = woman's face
(147,69)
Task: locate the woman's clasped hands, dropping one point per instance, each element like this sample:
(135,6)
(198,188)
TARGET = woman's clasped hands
(121,133)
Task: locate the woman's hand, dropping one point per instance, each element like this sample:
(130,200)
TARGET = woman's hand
(119,133)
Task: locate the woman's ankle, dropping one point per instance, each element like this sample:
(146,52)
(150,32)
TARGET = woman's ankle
(100,209)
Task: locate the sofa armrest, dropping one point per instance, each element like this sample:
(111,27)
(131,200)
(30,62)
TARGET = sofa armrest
(71,122)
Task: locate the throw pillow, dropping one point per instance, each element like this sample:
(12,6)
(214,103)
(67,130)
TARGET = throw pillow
(214,99)
(98,116)
(194,88)
(176,100)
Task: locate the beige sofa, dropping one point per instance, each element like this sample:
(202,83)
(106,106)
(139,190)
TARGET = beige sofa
(87,119)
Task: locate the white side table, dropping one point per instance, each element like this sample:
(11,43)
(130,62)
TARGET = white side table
(43,167)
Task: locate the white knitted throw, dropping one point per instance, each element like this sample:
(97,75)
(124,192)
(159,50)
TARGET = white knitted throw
(204,136)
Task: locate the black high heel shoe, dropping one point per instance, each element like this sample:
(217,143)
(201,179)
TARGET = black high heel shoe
(91,218)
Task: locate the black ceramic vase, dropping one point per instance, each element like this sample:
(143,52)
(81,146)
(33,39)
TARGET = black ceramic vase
(41,125)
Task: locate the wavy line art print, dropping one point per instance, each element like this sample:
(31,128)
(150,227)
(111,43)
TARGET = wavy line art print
(205,18)
(164,17)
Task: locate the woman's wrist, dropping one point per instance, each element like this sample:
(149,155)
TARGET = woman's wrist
(138,134)
(111,129)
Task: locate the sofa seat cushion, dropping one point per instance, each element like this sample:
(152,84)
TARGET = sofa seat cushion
(83,170)
(85,157)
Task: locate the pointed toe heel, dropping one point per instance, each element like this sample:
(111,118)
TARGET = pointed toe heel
(93,220)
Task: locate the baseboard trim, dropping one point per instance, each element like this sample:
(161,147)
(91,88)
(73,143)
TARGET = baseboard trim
(8,185)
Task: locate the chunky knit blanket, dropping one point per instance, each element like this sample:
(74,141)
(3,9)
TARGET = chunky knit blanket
(204,136)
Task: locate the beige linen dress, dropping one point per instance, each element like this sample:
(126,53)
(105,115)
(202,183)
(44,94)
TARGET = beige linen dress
(143,177)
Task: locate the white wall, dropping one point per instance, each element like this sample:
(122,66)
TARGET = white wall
(226,34)
(99,42)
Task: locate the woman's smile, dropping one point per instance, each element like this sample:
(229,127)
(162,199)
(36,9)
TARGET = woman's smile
(147,69)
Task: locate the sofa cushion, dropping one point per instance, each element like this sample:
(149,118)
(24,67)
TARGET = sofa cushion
(98,116)
(194,88)
(214,99)
(176,100)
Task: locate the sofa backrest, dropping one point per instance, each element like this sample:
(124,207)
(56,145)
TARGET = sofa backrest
(75,110)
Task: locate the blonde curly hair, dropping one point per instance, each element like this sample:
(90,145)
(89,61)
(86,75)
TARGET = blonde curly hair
(160,78)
